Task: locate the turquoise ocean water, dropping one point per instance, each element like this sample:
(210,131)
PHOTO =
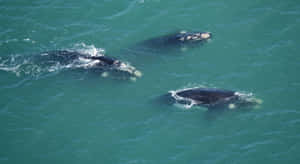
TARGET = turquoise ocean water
(56,115)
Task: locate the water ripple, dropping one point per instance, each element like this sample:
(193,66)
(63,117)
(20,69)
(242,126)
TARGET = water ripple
(15,84)
(256,144)
(123,12)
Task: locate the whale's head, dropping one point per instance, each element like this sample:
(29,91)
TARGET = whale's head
(193,36)
(205,35)
(245,101)
(126,68)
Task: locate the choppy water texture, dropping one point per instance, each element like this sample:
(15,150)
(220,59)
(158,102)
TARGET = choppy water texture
(55,115)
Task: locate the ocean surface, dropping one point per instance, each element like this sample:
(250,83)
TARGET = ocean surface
(54,114)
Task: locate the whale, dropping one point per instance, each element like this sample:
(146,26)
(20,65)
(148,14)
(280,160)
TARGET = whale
(211,98)
(177,39)
(98,62)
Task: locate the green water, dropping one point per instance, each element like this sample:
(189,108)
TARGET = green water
(68,116)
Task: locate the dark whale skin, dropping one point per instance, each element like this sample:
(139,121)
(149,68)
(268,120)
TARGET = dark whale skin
(211,98)
(208,95)
(176,39)
(66,56)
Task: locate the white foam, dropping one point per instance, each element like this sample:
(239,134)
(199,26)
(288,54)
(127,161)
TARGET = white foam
(244,95)
(13,69)
(89,49)
(190,103)
(184,106)
(44,54)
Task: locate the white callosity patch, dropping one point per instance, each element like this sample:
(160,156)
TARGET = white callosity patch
(184,36)
(104,74)
(231,106)
(126,67)
(248,97)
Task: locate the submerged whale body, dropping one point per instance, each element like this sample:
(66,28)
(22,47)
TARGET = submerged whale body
(211,98)
(76,59)
(177,39)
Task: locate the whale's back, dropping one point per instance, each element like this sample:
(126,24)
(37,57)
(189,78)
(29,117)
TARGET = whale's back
(207,95)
